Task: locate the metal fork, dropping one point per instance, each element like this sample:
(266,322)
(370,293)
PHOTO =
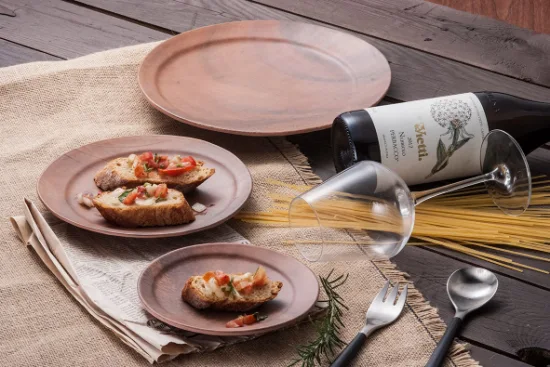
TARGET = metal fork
(380,313)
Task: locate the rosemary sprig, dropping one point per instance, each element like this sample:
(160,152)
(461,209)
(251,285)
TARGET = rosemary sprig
(328,328)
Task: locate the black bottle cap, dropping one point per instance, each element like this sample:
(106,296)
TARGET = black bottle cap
(350,135)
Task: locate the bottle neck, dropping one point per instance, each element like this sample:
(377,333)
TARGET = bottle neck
(502,107)
(528,121)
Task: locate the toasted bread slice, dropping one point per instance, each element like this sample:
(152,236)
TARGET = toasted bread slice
(174,210)
(196,293)
(119,173)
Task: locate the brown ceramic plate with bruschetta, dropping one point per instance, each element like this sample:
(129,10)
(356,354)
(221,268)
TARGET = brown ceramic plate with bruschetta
(161,283)
(219,197)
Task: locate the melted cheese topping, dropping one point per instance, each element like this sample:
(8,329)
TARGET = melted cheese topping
(246,276)
(112,198)
(212,288)
(146,202)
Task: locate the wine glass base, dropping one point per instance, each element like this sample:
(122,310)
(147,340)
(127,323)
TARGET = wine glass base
(510,188)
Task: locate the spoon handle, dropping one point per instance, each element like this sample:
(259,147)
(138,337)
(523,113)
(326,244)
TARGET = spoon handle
(440,352)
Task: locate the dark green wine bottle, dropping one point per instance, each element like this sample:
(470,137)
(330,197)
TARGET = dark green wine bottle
(439,138)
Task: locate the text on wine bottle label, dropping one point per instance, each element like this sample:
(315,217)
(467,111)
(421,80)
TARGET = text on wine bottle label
(431,139)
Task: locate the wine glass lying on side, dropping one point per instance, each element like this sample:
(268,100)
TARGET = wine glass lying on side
(368,211)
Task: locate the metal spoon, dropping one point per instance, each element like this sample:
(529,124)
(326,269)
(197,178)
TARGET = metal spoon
(468,289)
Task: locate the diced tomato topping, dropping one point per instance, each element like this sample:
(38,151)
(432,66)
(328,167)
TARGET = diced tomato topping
(153,160)
(145,157)
(221,278)
(163,161)
(142,192)
(245,320)
(161,191)
(189,160)
(163,164)
(174,171)
(139,171)
(260,277)
(150,159)
(187,164)
(245,287)
(131,198)
(238,322)
(208,275)
(249,319)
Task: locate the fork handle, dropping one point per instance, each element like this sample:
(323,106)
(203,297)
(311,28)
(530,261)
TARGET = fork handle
(440,352)
(345,357)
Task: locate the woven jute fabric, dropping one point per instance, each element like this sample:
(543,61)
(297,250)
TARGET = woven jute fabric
(49,108)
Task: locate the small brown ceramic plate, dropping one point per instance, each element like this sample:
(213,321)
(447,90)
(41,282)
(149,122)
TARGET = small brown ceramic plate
(263,77)
(224,193)
(161,283)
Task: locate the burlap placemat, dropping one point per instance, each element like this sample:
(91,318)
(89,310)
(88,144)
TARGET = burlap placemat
(49,108)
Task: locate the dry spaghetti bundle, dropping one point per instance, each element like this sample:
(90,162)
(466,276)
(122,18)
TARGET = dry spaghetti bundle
(465,221)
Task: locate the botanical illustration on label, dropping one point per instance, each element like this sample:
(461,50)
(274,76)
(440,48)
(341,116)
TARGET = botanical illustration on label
(432,139)
(453,115)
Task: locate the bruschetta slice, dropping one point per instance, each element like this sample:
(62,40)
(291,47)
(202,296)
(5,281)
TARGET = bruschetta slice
(230,292)
(147,205)
(182,173)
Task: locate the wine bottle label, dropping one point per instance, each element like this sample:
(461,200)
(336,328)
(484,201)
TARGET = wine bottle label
(432,139)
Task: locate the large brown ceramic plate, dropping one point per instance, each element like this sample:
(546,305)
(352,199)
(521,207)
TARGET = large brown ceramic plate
(224,193)
(160,286)
(263,77)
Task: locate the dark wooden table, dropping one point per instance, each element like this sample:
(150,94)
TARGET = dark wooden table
(433,50)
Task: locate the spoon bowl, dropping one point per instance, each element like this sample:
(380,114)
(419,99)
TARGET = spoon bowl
(468,290)
(471,288)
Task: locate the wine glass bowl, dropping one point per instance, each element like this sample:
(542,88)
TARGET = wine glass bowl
(368,211)
(364,210)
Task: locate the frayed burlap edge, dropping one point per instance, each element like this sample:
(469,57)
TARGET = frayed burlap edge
(428,316)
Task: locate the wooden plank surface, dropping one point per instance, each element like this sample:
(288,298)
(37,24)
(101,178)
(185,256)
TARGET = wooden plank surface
(528,276)
(13,54)
(171,14)
(183,15)
(66,30)
(415,74)
(490,358)
(532,14)
(516,318)
(439,30)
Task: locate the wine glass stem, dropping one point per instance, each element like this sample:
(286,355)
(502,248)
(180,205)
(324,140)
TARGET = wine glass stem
(422,196)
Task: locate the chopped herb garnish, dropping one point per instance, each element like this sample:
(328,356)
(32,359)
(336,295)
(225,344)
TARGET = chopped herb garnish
(232,287)
(229,288)
(147,168)
(159,200)
(179,165)
(259,317)
(122,196)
